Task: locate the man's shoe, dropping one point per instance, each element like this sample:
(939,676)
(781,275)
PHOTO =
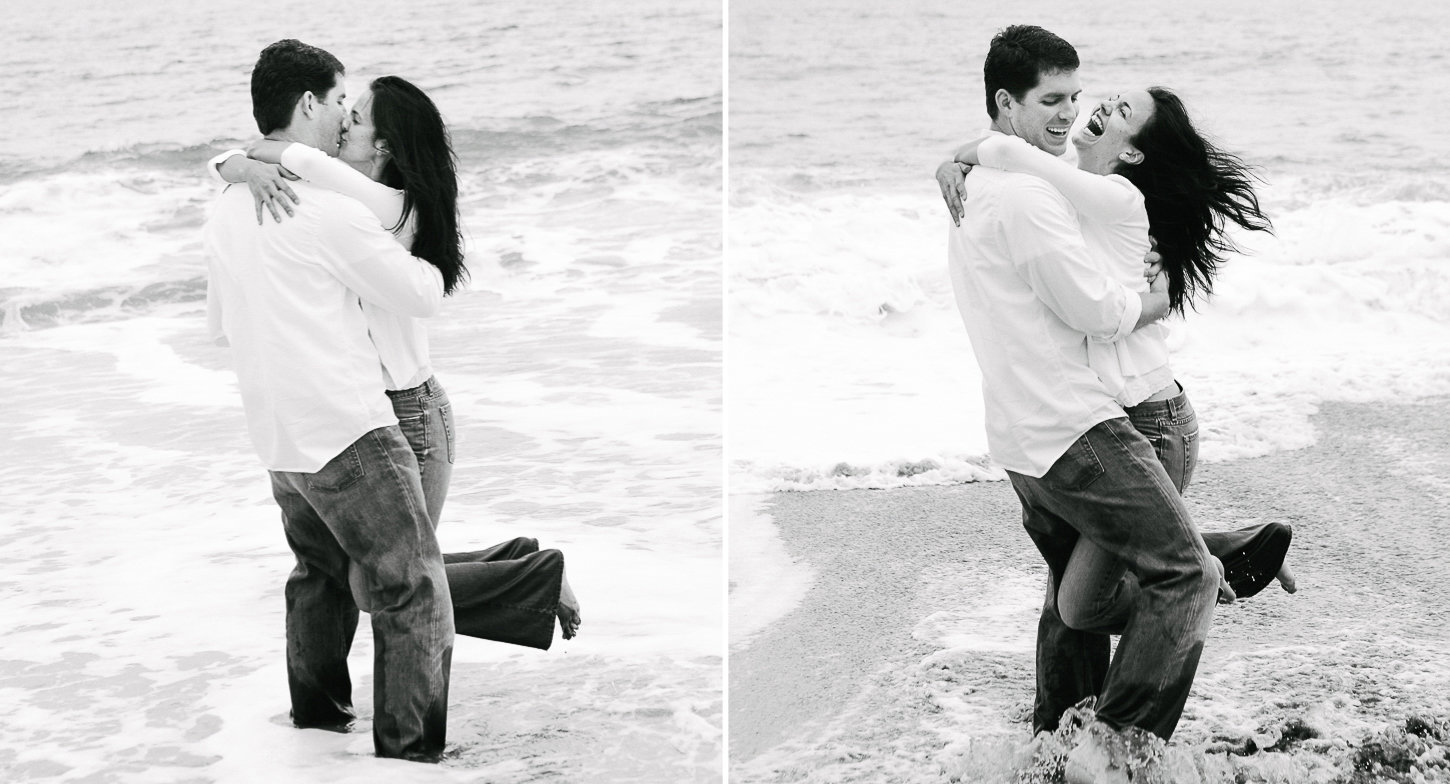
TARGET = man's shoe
(338,724)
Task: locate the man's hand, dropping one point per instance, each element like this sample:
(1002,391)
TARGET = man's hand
(1155,302)
(1152,262)
(1152,265)
(1158,284)
(952,177)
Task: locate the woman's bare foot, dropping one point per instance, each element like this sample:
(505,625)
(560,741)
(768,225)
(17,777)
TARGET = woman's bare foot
(569,620)
(1226,593)
(1286,578)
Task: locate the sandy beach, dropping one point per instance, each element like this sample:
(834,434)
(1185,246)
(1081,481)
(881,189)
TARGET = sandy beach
(910,657)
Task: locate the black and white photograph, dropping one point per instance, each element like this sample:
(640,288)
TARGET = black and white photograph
(724,392)
(362,392)
(1086,392)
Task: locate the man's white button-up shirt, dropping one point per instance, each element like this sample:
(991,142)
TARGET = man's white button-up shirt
(287,298)
(1031,295)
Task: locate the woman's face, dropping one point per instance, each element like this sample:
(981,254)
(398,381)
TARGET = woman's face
(359,140)
(1107,137)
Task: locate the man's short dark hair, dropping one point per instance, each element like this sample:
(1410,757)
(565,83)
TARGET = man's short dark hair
(285,71)
(1017,59)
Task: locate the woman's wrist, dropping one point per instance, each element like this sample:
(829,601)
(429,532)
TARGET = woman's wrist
(967,154)
(268,150)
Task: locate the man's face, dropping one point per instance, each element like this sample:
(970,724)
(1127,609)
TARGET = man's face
(1044,115)
(332,116)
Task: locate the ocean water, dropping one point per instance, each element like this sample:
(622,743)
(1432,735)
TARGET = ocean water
(143,561)
(849,366)
(846,347)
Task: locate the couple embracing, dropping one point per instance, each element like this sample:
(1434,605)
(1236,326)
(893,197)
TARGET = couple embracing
(324,309)
(1083,410)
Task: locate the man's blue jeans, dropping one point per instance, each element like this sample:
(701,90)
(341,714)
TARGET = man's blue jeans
(366,506)
(1110,488)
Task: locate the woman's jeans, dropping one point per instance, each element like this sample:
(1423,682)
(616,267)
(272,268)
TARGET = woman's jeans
(1095,593)
(505,593)
(1111,489)
(426,418)
(365,510)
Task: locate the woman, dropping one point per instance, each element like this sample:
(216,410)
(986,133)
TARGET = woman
(396,159)
(1143,167)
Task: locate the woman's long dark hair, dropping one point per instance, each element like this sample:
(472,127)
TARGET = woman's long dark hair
(1192,190)
(423,167)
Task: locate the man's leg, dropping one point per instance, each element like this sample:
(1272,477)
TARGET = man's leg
(1094,590)
(1251,555)
(1071,664)
(321,616)
(1171,426)
(1097,592)
(1110,487)
(426,420)
(370,499)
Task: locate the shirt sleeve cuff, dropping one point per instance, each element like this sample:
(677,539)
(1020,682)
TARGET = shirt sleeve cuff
(213,166)
(994,150)
(294,158)
(1131,313)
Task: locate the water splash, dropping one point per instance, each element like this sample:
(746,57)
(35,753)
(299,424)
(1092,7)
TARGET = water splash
(1289,751)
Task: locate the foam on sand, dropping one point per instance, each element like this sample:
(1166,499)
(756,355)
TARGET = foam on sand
(912,656)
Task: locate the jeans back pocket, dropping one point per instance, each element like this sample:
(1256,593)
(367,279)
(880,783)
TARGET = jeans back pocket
(340,472)
(1078,467)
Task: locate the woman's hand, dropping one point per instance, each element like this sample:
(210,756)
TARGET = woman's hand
(952,178)
(268,184)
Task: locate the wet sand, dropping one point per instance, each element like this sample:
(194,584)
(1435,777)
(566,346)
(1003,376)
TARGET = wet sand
(910,659)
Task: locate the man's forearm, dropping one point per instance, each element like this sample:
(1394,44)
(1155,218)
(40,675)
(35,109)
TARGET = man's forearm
(1155,307)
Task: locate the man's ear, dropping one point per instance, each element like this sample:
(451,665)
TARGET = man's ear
(308,103)
(1004,100)
(1131,156)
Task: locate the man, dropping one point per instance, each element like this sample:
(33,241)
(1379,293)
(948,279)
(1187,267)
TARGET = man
(286,297)
(1031,297)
